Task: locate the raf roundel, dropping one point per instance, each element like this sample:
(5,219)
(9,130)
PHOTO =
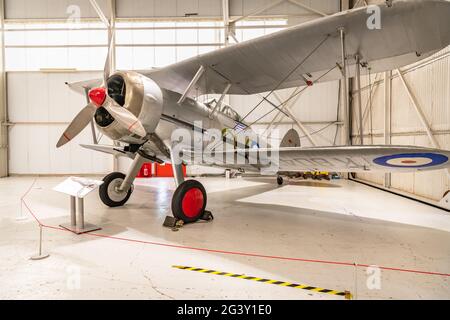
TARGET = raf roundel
(411,160)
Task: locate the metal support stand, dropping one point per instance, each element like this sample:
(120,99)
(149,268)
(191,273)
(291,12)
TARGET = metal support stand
(356,281)
(73,208)
(81,226)
(358,84)
(387,119)
(40,255)
(345,87)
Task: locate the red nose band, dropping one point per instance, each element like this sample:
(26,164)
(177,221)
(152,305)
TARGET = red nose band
(97,96)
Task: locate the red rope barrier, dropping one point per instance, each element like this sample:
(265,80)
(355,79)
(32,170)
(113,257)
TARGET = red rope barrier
(237,253)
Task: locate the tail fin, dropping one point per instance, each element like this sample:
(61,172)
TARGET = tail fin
(291,139)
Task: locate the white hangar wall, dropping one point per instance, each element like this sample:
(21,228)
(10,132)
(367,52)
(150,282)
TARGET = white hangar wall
(43,108)
(38,37)
(429,84)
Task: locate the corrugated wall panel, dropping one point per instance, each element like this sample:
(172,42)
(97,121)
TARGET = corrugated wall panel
(429,83)
(39,104)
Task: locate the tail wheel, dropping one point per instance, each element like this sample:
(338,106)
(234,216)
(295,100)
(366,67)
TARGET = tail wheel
(110,193)
(189,201)
(280,180)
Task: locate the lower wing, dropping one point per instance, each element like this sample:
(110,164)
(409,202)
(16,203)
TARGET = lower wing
(113,150)
(336,159)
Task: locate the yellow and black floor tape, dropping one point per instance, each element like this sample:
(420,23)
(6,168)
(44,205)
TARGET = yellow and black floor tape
(345,294)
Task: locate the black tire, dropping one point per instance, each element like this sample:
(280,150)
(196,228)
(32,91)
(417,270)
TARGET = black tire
(189,210)
(280,180)
(109,199)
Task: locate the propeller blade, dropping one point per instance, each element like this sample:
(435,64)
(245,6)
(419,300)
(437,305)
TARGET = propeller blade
(125,118)
(81,120)
(107,69)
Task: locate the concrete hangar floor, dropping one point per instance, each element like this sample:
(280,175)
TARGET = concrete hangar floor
(308,233)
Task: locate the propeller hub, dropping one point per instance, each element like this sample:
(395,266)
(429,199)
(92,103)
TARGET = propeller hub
(97,96)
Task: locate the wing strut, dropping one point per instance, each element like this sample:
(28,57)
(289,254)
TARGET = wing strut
(194,80)
(219,102)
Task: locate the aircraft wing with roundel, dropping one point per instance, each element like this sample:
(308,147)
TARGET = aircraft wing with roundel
(410,31)
(333,159)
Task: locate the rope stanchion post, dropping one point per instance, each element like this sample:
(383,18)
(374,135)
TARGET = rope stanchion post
(21,216)
(356,280)
(40,255)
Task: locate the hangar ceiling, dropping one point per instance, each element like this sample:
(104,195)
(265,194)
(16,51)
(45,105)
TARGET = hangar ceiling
(57,9)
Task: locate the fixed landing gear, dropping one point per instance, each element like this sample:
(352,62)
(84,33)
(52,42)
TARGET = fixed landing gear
(189,201)
(110,192)
(280,180)
(117,187)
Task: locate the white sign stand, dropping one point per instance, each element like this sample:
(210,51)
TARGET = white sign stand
(78,188)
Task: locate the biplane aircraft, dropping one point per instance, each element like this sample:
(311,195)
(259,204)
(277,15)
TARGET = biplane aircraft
(142,110)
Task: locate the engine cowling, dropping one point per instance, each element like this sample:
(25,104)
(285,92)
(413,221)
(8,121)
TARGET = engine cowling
(140,95)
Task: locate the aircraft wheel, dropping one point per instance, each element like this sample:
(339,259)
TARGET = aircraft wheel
(280,180)
(109,190)
(189,201)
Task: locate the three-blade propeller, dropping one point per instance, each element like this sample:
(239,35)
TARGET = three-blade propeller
(99,98)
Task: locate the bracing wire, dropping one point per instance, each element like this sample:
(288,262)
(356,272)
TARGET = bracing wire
(290,98)
(265,98)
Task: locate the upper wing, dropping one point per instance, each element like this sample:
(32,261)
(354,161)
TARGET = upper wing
(335,159)
(410,31)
